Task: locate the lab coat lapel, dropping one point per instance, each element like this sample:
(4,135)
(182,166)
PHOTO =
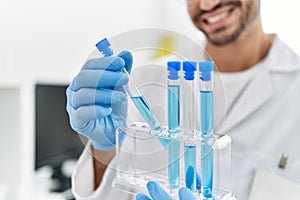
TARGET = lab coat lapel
(256,93)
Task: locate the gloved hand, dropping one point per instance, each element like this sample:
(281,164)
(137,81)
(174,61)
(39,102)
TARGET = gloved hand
(158,193)
(190,179)
(96,100)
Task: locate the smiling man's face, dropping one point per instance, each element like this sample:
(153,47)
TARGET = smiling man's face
(223,21)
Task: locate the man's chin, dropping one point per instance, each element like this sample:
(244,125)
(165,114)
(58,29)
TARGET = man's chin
(220,40)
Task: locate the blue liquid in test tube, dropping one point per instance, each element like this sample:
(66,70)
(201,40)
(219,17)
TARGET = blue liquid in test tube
(173,164)
(207,157)
(190,159)
(173,124)
(173,112)
(135,95)
(146,113)
(206,112)
(189,119)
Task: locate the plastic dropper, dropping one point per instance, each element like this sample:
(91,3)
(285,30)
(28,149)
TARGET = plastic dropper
(136,96)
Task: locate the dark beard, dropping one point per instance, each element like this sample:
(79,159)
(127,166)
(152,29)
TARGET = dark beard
(226,40)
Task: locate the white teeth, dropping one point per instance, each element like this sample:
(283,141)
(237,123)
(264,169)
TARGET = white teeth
(216,18)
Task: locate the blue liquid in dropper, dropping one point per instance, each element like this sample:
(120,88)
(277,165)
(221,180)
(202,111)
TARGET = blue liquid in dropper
(174,146)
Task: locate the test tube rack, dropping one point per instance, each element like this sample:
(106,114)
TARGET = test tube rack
(140,157)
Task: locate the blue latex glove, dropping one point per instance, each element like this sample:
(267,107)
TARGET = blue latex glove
(190,179)
(158,193)
(96,100)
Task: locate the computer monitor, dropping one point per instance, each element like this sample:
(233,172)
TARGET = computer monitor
(55,140)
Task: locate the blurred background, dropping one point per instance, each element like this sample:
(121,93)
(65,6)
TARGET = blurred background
(43,44)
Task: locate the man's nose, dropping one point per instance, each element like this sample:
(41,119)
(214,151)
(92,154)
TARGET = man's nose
(207,5)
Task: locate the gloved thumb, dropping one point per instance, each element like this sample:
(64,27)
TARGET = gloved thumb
(186,194)
(190,177)
(127,57)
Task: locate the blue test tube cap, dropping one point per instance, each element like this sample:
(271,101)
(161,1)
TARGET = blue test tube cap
(189,68)
(173,68)
(206,68)
(104,47)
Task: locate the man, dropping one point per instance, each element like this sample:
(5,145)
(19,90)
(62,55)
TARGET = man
(261,81)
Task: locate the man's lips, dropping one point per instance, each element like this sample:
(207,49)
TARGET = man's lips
(216,16)
(219,12)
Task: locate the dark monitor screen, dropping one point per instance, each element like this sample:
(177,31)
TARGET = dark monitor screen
(55,139)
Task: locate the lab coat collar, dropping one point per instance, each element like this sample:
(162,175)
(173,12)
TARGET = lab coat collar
(281,59)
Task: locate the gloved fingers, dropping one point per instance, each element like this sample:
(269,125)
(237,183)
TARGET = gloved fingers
(190,177)
(120,89)
(98,79)
(127,57)
(104,63)
(156,192)
(84,114)
(186,194)
(142,197)
(198,181)
(88,96)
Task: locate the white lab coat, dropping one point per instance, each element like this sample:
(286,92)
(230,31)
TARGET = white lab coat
(264,123)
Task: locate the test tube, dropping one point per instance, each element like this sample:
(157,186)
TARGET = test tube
(189,121)
(135,95)
(173,124)
(206,113)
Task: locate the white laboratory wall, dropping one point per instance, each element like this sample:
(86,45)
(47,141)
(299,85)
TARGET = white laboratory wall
(172,14)
(282,17)
(52,38)
(10,143)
